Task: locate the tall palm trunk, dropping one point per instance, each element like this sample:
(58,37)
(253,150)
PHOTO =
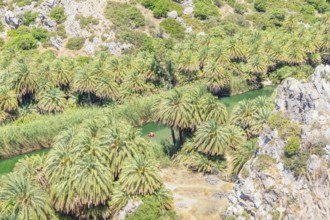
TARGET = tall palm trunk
(181,135)
(173,135)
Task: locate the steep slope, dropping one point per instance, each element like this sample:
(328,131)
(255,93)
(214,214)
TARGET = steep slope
(290,184)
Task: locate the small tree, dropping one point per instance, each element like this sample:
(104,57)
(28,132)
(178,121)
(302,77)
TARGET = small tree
(292,147)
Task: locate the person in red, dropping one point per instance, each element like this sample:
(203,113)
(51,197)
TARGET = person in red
(151,134)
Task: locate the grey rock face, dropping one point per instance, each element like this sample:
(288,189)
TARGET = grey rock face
(12,20)
(172,14)
(56,42)
(116,48)
(130,207)
(264,191)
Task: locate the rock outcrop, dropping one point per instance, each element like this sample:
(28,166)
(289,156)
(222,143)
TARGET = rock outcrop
(266,188)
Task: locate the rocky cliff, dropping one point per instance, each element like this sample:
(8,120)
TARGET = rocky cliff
(275,185)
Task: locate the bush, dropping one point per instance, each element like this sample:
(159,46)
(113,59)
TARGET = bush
(239,8)
(85,21)
(29,17)
(2,42)
(60,31)
(297,163)
(124,15)
(151,209)
(292,147)
(260,5)
(40,34)
(320,5)
(205,9)
(285,127)
(57,14)
(24,42)
(161,7)
(38,132)
(173,28)
(1,27)
(75,43)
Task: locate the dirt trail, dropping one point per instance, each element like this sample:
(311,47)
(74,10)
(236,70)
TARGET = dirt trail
(196,197)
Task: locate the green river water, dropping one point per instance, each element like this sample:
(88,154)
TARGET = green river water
(7,165)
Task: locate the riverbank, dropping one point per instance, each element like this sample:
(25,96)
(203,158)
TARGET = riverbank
(162,132)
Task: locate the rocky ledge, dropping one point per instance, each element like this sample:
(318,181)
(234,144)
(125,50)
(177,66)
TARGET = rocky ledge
(270,186)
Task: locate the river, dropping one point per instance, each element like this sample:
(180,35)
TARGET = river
(162,132)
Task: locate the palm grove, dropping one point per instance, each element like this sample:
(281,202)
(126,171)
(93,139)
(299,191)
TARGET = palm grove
(94,168)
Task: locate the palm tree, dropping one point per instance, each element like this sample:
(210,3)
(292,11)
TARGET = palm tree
(211,138)
(216,76)
(22,198)
(24,80)
(134,83)
(211,109)
(93,182)
(236,136)
(140,176)
(52,100)
(85,82)
(107,88)
(188,65)
(122,141)
(236,50)
(165,197)
(61,73)
(257,64)
(117,70)
(243,115)
(174,111)
(242,155)
(8,100)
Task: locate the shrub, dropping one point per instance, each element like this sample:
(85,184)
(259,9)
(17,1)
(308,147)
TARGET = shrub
(22,30)
(29,17)
(205,9)
(297,163)
(124,15)
(292,147)
(260,5)
(60,30)
(57,14)
(40,34)
(75,43)
(24,42)
(2,42)
(239,8)
(161,8)
(150,209)
(85,21)
(1,27)
(173,28)
(285,127)
(39,131)
(264,161)
(320,5)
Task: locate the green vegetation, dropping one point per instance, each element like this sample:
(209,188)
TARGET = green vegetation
(161,7)
(86,21)
(124,15)
(292,147)
(204,9)
(57,14)
(75,43)
(29,18)
(173,28)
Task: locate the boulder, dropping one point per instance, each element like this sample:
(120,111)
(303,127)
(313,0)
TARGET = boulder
(188,11)
(172,14)
(56,42)
(12,20)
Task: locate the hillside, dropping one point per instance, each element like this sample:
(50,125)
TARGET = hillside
(156,109)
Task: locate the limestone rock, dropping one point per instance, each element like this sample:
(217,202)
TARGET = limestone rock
(172,14)
(274,188)
(12,20)
(130,207)
(56,42)
(188,11)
